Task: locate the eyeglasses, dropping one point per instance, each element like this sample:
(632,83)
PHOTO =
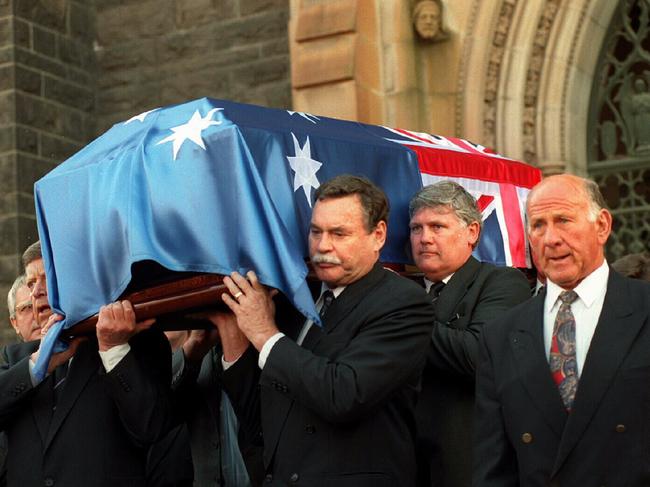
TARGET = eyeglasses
(27,306)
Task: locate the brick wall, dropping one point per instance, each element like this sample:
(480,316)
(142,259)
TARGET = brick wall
(47,73)
(159,52)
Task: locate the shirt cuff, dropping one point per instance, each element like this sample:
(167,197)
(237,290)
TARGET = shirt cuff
(266,349)
(35,381)
(113,356)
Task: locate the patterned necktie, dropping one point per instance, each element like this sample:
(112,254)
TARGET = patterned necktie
(563,350)
(328,297)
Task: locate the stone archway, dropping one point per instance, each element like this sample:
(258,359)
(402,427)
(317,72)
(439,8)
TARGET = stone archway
(534,78)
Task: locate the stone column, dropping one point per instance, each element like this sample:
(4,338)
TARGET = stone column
(46,98)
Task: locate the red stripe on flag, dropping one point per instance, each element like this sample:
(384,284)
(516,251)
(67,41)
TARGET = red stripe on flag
(463,144)
(484,201)
(514,224)
(440,162)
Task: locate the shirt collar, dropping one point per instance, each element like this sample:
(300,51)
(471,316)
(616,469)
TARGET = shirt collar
(336,291)
(588,290)
(428,283)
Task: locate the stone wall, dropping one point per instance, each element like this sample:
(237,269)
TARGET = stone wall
(159,52)
(46,103)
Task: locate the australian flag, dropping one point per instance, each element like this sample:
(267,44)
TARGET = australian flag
(216,186)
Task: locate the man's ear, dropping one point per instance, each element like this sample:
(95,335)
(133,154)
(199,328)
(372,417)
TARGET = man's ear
(380,235)
(474,231)
(604,225)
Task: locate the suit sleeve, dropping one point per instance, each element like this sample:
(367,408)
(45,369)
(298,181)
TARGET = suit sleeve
(15,389)
(387,350)
(495,462)
(140,387)
(455,349)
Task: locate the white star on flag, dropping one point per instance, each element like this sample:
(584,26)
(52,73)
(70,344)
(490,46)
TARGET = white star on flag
(306,116)
(140,117)
(305,168)
(191,130)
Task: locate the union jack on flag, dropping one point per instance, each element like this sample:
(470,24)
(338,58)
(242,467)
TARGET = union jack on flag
(499,184)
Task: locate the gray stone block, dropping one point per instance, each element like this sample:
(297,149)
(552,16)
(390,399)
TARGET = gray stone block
(30,169)
(9,232)
(82,21)
(7,78)
(258,73)
(279,47)
(28,80)
(6,54)
(190,13)
(6,31)
(72,51)
(44,41)
(68,94)
(58,149)
(26,140)
(7,112)
(47,13)
(22,36)
(124,56)
(7,137)
(253,30)
(39,62)
(147,18)
(248,7)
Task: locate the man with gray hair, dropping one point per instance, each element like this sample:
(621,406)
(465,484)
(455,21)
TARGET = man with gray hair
(445,225)
(19,303)
(562,396)
(103,402)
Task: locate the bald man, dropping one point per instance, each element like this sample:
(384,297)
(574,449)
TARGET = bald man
(562,389)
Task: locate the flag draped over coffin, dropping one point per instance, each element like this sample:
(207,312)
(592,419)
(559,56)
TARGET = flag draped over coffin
(216,186)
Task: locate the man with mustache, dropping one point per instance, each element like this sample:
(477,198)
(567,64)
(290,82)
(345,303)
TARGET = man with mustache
(103,402)
(336,402)
(22,319)
(445,229)
(562,396)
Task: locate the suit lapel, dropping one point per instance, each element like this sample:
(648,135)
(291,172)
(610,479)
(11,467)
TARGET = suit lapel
(84,365)
(42,406)
(456,289)
(527,345)
(618,326)
(342,306)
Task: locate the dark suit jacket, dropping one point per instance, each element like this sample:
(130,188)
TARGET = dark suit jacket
(100,430)
(338,411)
(475,294)
(524,436)
(198,394)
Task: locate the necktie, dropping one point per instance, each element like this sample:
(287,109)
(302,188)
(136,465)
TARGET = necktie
(435,290)
(563,350)
(328,297)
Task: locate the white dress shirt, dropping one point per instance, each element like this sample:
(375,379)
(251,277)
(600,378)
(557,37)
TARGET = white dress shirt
(266,348)
(586,311)
(428,283)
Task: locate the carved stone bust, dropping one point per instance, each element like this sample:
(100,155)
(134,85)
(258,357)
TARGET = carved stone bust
(427,21)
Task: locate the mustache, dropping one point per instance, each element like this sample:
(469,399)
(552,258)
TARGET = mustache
(318,258)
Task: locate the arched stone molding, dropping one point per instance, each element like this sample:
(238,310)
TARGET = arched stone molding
(566,84)
(526,75)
